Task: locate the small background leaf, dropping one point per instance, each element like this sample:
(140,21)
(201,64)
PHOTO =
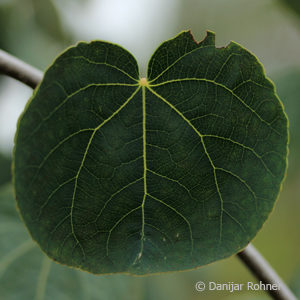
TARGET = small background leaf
(295,283)
(287,83)
(5,169)
(48,18)
(293,4)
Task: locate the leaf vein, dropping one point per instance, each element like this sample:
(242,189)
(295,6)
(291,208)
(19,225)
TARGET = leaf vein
(105,64)
(205,150)
(84,158)
(179,214)
(224,87)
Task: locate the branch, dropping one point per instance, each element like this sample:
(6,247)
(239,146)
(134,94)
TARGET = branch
(265,273)
(14,67)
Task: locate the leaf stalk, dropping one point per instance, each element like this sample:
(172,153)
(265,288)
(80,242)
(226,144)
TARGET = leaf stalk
(263,271)
(17,69)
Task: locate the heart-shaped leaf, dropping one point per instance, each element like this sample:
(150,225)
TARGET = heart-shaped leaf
(117,173)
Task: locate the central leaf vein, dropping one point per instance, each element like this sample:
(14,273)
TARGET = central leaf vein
(145,171)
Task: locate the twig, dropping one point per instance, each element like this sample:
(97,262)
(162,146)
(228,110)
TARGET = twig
(27,74)
(265,273)
(14,67)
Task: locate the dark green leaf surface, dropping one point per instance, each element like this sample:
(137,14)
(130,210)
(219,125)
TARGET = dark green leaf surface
(26,273)
(114,173)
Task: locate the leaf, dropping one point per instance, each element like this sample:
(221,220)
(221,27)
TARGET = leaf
(288,90)
(293,4)
(48,18)
(114,173)
(26,273)
(295,282)
(4,13)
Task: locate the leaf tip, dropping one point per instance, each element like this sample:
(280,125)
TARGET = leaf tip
(234,45)
(210,37)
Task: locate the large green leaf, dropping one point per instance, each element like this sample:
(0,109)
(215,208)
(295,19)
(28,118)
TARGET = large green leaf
(26,273)
(114,173)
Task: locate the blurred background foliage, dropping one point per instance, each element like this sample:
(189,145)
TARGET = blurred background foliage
(38,30)
(293,4)
(5,165)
